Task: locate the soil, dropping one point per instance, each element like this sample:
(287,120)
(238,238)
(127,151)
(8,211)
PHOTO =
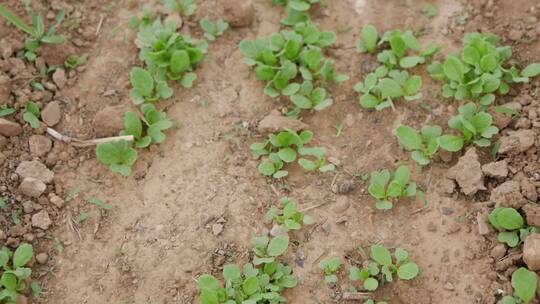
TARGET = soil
(194,202)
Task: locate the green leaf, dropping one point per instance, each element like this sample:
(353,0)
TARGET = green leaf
(420,157)
(408,271)
(510,219)
(488,63)
(525,284)
(390,88)
(209,282)
(100,203)
(307,164)
(532,70)
(511,238)
(188,79)
(132,124)
(31,119)
(453,68)
(180,61)
(278,245)
(371,284)
(18,22)
(381,255)
(370,38)
(22,255)
(411,61)
(409,138)
(142,82)
(402,175)
(401,255)
(287,154)
(250,286)
(301,101)
(266,168)
(119,156)
(451,143)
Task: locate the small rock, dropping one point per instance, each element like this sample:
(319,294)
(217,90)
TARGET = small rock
(9,128)
(109,121)
(32,187)
(468,174)
(517,141)
(275,122)
(5,88)
(59,78)
(446,185)
(482,218)
(508,194)
(57,201)
(343,187)
(498,252)
(217,229)
(449,286)
(496,169)
(523,123)
(531,252)
(36,170)
(532,214)
(342,205)
(28,207)
(277,230)
(42,258)
(239,13)
(528,189)
(51,114)
(39,145)
(41,220)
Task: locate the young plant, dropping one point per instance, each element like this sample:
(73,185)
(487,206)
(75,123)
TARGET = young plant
(367,275)
(475,127)
(73,61)
(118,155)
(330,268)
(36,32)
(511,225)
(297,10)
(386,188)
(5,110)
(212,30)
(186,8)
(423,144)
(293,64)
(525,283)
(290,218)
(14,274)
(155,122)
(32,114)
(148,17)
(168,56)
(286,147)
(480,70)
(381,87)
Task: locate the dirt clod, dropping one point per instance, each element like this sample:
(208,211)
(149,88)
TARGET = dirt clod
(9,128)
(39,145)
(532,214)
(51,114)
(517,142)
(498,252)
(343,186)
(32,187)
(275,122)
(238,13)
(5,88)
(531,252)
(484,227)
(41,220)
(496,169)
(467,173)
(42,258)
(35,170)
(59,78)
(528,190)
(508,194)
(109,121)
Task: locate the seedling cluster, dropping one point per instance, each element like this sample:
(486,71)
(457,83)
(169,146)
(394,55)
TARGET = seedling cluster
(297,10)
(511,225)
(14,272)
(525,283)
(289,217)
(387,187)
(287,147)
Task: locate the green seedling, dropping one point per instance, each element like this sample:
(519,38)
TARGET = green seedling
(37,33)
(74,61)
(118,155)
(146,88)
(524,283)
(212,30)
(297,10)
(382,87)
(330,268)
(148,17)
(423,145)
(386,188)
(511,225)
(148,129)
(32,114)
(474,125)
(186,8)
(430,10)
(14,274)
(480,70)
(37,290)
(289,217)
(405,51)
(288,147)
(100,203)
(293,64)
(5,110)
(168,56)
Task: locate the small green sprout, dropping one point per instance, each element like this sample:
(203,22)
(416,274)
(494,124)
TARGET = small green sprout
(368,40)
(37,32)
(330,268)
(423,144)
(286,147)
(297,10)
(290,218)
(155,122)
(475,127)
(74,61)
(118,155)
(385,188)
(511,225)
(32,114)
(186,8)
(212,30)
(5,110)
(524,283)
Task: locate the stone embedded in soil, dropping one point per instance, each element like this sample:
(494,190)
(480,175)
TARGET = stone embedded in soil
(517,141)
(275,122)
(239,13)
(42,258)
(109,121)
(51,114)
(5,88)
(39,145)
(9,128)
(41,220)
(528,189)
(32,187)
(496,169)
(342,205)
(482,218)
(343,186)
(217,229)
(508,194)
(498,252)
(59,78)
(532,214)
(57,201)
(531,252)
(446,185)
(467,173)
(35,170)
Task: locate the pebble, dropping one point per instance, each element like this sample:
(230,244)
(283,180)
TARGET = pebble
(217,229)
(51,114)
(42,258)
(32,187)
(59,78)
(531,252)
(9,128)
(39,145)
(35,170)
(41,220)
(498,252)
